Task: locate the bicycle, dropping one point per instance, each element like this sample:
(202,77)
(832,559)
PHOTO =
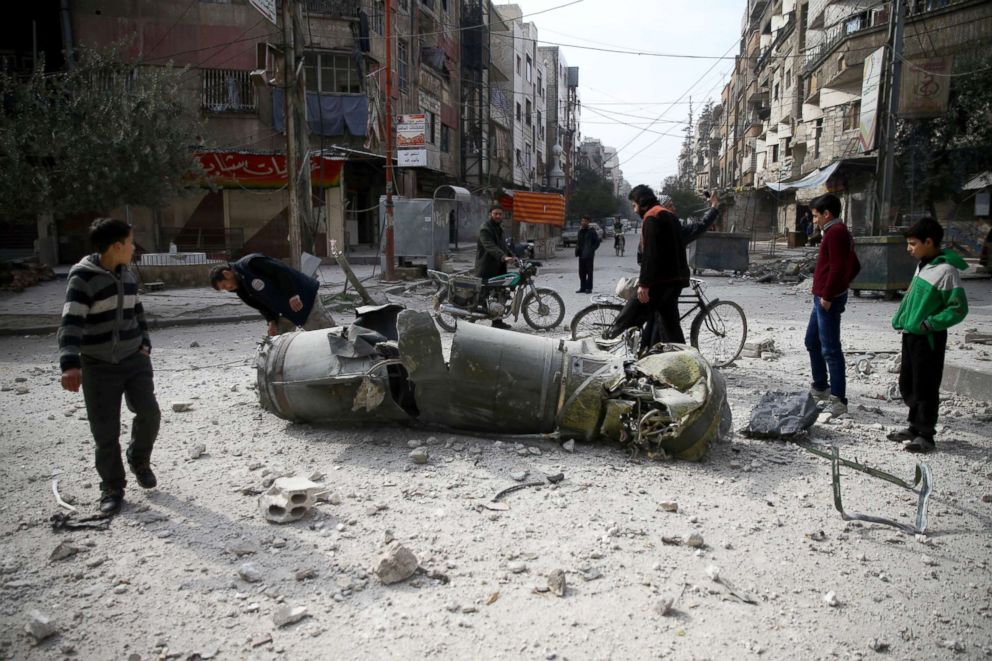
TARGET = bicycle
(619,244)
(718,330)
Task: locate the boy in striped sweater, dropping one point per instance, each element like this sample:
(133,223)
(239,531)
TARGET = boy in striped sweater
(934,302)
(104,347)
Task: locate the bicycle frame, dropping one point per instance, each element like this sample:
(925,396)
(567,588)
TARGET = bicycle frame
(697,298)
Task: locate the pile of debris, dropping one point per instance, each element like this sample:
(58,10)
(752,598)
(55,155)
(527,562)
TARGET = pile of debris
(782,270)
(19,274)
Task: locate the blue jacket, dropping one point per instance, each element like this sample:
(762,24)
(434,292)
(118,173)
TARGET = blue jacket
(267,285)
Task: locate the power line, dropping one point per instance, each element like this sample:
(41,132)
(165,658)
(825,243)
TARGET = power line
(173,26)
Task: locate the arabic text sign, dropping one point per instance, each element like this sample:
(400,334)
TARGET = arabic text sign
(870,88)
(926,86)
(262,170)
(411,130)
(267,7)
(411,158)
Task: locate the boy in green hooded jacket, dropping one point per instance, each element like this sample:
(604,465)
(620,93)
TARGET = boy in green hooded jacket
(934,302)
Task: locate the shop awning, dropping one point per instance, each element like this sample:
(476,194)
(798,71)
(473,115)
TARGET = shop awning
(815,178)
(984,180)
(539,208)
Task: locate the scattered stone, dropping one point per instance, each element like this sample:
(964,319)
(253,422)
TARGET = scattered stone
(518,476)
(419,456)
(830,599)
(250,572)
(816,536)
(664,607)
(878,645)
(694,540)
(713,572)
(929,561)
(397,564)
(556,582)
(516,567)
(569,445)
(21,390)
(263,639)
(669,506)
(306,574)
(534,451)
(194,345)
(197,451)
(289,615)
(181,407)
(987,498)
(63,550)
(40,626)
(590,574)
(414,443)
(953,645)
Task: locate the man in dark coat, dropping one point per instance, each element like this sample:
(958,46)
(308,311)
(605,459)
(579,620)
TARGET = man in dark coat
(285,297)
(491,252)
(585,249)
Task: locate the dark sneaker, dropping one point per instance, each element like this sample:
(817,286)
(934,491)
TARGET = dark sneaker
(144,475)
(499,323)
(580,291)
(920,445)
(110,501)
(901,436)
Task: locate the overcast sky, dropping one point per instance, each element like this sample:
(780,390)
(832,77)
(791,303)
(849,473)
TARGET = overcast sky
(619,85)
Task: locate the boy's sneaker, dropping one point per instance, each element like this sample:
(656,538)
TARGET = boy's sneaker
(821,396)
(834,407)
(144,475)
(901,436)
(921,445)
(111,500)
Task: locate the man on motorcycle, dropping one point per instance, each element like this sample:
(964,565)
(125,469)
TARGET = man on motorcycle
(491,253)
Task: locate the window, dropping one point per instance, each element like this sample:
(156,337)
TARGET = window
(817,132)
(527,116)
(788,79)
(852,116)
(403,64)
(444,5)
(775,96)
(518,65)
(518,111)
(520,158)
(529,157)
(431,121)
(378,16)
(540,85)
(774,153)
(530,70)
(331,73)
(788,146)
(445,138)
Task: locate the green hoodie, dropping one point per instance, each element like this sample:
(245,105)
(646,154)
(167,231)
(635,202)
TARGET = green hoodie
(935,300)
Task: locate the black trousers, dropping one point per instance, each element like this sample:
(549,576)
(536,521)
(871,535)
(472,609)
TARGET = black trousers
(919,380)
(104,384)
(585,273)
(658,318)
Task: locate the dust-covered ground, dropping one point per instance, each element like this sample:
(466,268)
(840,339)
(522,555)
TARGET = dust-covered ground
(164,582)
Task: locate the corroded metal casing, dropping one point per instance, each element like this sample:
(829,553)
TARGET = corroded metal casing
(320,376)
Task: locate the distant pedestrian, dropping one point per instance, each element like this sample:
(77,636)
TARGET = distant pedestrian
(836,266)
(104,347)
(286,298)
(585,249)
(934,302)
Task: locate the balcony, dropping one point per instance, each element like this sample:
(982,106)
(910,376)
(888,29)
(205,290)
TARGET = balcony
(780,38)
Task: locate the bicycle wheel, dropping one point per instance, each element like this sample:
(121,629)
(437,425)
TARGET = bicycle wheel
(443,319)
(719,332)
(545,310)
(594,320)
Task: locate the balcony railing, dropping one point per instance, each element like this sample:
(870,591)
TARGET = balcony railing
(228,90)
(335,8)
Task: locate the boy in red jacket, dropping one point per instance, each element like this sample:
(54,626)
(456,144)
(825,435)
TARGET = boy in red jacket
(836,266)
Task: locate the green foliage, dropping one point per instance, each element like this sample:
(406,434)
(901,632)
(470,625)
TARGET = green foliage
(686,199)
(592,195)
(104,134)
(937,155)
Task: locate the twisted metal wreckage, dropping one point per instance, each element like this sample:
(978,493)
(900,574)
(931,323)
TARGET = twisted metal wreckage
(388,366)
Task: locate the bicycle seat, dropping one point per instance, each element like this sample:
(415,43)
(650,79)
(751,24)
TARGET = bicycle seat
(695,282)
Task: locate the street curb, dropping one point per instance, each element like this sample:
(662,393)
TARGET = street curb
(152,324)
(968,382)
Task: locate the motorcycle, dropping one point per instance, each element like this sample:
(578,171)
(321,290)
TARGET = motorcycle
(466,297)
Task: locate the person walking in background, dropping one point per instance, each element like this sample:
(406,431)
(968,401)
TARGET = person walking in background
(836,266)
(934,302)
(104,347)
(285,297)
(585,249)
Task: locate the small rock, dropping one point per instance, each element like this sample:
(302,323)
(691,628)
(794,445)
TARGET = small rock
(929,561)
(197,451)
(669,506)
(40,626)
(713,572)
(397,564)
(556,582)
(695,540)
(194,344)
(414,443)
(987,498)
(518,476)
(21,390)
(181,407)
(306,574)
(289,615)
(63,550)
(534,451)
(830,599)
(953,645)
(569,445)
(250,573)
(516,567)
(878,645)
(664,607)
(419,456)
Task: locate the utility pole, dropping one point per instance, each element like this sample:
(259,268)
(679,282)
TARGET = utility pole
(390,247)
(886,151)
(290,82)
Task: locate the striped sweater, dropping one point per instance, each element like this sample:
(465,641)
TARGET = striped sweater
(102,317)
(935,300)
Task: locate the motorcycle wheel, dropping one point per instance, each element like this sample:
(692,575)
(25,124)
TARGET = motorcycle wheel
(444,320)
(545,310)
